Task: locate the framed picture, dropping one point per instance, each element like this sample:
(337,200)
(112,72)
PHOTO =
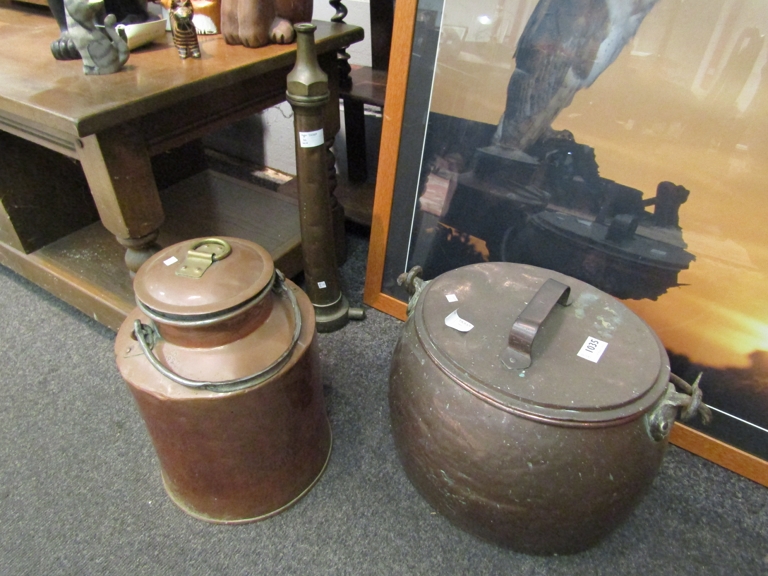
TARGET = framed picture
(621,143)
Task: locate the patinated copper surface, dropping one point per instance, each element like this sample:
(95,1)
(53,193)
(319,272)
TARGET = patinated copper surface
(548,459)
(239,456)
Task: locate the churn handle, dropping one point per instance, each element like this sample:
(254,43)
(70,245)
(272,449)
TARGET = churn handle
(517,355)
(146,335)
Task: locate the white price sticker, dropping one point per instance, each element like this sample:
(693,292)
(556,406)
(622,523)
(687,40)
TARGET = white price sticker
(170,261)
(592,349)
(452,297)
(311,139)
(454,321)
(321,285)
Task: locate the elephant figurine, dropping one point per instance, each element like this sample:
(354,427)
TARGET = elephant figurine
(102,49)
(125,11)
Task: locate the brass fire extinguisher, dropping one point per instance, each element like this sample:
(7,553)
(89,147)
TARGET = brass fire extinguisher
(308,94)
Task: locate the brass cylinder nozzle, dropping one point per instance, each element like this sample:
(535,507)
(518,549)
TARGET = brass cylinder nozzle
(308,94)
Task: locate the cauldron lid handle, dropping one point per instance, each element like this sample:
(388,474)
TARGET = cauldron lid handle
(517,355)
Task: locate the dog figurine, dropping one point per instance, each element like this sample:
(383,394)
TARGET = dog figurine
(255,23)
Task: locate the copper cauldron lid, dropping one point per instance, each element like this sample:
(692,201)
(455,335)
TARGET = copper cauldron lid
(203,277)
(537,342)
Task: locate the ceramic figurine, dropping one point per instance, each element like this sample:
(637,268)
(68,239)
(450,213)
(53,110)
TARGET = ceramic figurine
(255,23)
(184,33)
(102,49)
(125,11)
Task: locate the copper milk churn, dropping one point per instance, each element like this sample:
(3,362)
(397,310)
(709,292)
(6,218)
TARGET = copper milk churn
(528,407)
(220,356)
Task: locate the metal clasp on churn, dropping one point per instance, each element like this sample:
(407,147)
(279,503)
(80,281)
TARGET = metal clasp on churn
(202,255)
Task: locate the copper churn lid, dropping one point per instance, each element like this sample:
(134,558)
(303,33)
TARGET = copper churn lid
(214,324)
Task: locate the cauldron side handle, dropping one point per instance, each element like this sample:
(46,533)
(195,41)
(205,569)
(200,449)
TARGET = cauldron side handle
(413,284)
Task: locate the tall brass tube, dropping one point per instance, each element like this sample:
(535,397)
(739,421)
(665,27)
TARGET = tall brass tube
(308,95)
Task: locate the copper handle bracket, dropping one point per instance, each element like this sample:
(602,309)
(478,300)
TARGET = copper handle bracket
(517,354)
(201,255)
(687,402)
(413,284)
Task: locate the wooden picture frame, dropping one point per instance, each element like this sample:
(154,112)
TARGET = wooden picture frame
(696,440)
(394,106)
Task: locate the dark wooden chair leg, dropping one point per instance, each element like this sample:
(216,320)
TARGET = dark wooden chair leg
(354,125)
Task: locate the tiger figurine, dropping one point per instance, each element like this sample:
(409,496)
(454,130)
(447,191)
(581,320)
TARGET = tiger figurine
(183,30)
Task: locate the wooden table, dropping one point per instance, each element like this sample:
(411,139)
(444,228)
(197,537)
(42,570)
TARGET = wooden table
(113,125)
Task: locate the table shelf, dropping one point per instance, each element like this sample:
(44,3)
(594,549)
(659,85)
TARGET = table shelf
(86,268)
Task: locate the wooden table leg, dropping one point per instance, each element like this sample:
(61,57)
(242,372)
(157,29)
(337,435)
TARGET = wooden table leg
(119,173)
(354,127)
(329,64)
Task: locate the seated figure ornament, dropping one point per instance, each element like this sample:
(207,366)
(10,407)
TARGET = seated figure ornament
(100,46)
(125,11)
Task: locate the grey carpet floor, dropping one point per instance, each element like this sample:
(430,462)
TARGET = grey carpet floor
(80,490)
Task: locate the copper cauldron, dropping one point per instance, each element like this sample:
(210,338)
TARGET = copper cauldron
(220,356)
(528,407)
